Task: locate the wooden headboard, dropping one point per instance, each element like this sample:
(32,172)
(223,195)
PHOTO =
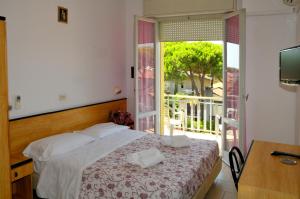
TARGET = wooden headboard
(26,130)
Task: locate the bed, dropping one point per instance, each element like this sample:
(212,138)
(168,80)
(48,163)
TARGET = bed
(100,170)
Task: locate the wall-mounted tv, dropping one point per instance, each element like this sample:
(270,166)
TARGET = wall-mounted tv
(290,65)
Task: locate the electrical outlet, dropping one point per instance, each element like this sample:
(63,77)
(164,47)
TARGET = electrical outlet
(62,98)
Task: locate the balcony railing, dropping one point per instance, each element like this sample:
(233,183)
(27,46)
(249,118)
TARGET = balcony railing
(193,113)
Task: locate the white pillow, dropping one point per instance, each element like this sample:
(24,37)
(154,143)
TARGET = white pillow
(104,129)
(44,149)
(105,124)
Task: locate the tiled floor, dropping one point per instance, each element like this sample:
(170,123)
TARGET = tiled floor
(223,187)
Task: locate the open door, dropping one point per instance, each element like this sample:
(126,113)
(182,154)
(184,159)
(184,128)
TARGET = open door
(233,131)
(147,70)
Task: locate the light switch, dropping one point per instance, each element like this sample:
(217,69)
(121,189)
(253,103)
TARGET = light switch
(117,90)
(18,102)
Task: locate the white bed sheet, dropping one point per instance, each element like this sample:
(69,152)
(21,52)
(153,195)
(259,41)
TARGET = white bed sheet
(60,177)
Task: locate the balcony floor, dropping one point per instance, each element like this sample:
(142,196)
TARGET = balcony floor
(200,135)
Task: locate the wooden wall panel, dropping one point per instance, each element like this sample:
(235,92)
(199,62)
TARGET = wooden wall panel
(5,185)
(24,131)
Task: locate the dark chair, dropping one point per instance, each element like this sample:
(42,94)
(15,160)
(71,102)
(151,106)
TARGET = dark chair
(237,162)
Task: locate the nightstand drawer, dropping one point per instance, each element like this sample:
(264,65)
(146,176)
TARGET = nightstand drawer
(21,171)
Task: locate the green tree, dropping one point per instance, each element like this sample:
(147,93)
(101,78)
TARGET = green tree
(173,69)
(178,63)
(190,59)
(209,62)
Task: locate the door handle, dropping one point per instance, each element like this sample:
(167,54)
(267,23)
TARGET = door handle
(246,97)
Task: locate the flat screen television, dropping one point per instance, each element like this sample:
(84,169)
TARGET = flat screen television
(290,65)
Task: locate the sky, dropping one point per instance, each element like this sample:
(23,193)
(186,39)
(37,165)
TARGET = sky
(233,53)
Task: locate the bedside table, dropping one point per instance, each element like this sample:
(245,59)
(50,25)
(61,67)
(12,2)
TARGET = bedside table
(21,171)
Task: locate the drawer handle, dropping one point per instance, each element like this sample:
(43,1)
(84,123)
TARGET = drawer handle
(16,174)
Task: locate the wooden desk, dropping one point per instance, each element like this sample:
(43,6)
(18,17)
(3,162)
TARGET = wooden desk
(264,176)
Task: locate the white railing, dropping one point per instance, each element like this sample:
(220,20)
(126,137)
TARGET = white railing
(193,113)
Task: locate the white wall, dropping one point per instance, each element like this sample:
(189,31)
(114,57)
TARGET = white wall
(265,6)
(133,7)
(83,60)
(271,107)
(181,7)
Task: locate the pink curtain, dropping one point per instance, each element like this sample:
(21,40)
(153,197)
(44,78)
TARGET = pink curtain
(147,124)
(233,93)
(232,88)
(233,36)
(232,97)
(146,32)
(233,30)
(146,73)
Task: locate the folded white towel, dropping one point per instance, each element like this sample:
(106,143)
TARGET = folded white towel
(175,141)
(146,158)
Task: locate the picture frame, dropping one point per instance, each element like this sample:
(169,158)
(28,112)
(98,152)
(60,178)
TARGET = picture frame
(62,15)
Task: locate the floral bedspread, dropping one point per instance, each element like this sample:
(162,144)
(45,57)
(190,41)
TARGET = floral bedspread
(178,176)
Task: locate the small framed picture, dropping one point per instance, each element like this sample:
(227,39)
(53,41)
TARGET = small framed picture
(62,15)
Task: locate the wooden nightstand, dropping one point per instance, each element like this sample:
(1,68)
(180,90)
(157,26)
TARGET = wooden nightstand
(21,170)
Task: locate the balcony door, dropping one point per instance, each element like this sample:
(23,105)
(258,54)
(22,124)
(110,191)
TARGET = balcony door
(234,83)
(147,70)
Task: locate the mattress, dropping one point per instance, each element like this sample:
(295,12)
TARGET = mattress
(100,169)
(179,176)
